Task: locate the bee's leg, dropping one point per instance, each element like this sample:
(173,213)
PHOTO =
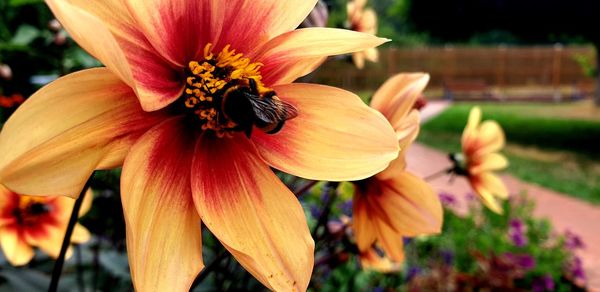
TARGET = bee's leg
(277,128)
(253,85)
(248,130)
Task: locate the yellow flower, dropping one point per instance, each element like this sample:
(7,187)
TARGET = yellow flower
(395,203)
(371,260)
(197,104)
(480,144)
(27,222)
(363,20)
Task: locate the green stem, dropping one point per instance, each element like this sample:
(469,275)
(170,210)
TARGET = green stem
(58,266)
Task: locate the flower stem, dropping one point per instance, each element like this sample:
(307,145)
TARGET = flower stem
(208,269)
(329,189)
(58,266)
(438,174)
(303,189)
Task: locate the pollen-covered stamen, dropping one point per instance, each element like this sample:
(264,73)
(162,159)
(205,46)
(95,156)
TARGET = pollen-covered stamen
(214,79)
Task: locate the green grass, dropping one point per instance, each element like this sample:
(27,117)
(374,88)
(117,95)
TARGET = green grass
(557,153)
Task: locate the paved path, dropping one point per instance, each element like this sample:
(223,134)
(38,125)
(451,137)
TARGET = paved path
(565,213)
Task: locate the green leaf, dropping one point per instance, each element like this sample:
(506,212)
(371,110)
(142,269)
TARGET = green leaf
(15,3)
(24,280)
(25,35)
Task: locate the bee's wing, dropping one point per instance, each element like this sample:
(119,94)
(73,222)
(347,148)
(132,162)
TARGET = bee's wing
(272,110)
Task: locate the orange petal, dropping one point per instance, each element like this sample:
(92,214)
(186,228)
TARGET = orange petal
(408,204)
(397,96)
(15,249)
(163,228)
(109,33)
(252,213)
(307,47)
(335,136)
(390,240)
(78,123)
(92,35)
(362,225)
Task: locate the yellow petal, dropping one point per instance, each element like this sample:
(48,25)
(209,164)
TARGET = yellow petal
(490,138)
(335,136)
(488,162)
(51,242)
(80,234)
(368,21)
(359,59)
(494,184)
(92,35)
(15,249)
(163,228)
(472,124)
(485,194)
(308,46)
(371,260)
(252,212)
(81,122)
(397,96)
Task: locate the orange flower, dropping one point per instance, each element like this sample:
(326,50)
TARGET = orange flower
(27,222)
(196,103)
(480,144)
(363,20)
(395,203)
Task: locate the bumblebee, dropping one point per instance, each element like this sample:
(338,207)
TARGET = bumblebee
(247,107)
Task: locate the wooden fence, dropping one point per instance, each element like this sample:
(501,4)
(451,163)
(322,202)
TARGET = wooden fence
(498,67)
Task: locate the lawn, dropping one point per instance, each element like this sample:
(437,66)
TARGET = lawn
(552,145)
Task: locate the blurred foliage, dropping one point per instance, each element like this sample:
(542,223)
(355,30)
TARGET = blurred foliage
(476,252)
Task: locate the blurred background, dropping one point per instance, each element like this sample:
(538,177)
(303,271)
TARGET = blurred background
(531,65)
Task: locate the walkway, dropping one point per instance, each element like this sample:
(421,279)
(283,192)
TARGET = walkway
(565,213)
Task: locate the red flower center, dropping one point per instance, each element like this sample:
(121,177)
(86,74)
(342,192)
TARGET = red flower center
(30,210)
(225,93)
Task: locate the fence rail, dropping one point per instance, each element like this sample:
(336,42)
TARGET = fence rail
(501,66)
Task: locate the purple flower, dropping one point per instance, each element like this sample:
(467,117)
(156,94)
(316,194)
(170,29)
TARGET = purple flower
(545,283)
(412,272)
(523,261)
(346,207)
(447,257)
(573,241)
(576,268)
(516,233)
(447,199)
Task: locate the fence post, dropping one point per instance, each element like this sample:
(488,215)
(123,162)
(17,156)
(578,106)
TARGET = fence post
(501,73)
(556,63)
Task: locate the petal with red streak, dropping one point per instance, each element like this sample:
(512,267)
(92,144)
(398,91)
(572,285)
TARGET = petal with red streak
(252,213)
(335,136)
(163,228)
(108,32)
(81,122)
